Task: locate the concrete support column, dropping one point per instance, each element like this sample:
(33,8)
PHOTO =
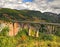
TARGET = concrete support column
(37,33)
(53,29)
(29,31)
(49,29)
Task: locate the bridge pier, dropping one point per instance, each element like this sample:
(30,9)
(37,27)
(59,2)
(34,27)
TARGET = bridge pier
(37,33)
(53,29)
(47,28)
(29,31)
(50,29)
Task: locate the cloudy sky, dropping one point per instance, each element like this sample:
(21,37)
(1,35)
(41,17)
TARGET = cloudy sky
(40,5)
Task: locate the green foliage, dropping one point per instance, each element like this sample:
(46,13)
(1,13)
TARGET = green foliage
(22,32)
(23,40)
(4,31)
(7,41)
(7,10)
(49,37)
(57,32)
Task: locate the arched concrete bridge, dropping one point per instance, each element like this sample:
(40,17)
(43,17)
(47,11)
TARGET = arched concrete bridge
(48,27)
(14,26)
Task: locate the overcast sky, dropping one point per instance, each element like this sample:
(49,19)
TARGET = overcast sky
(40,5)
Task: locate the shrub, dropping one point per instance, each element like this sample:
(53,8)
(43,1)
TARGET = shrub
(7,41)
(57,32)
(22,32)
(4,31)
(50,37)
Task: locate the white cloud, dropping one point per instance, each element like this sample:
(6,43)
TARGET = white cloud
(41,5)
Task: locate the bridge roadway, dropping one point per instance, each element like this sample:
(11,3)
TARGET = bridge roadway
(45,23)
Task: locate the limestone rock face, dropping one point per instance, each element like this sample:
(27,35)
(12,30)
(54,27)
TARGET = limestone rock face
(13,27)
(16,28)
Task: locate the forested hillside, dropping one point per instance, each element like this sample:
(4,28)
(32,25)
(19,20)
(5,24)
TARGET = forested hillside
(28,15)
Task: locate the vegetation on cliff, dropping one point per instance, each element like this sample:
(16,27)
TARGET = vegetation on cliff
(27,15)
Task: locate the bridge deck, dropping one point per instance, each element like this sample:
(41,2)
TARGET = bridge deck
(45,23)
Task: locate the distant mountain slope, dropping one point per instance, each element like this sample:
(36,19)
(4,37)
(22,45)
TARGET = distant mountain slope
(27,15)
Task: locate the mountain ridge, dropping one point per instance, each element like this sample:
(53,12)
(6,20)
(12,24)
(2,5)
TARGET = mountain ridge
(28,15)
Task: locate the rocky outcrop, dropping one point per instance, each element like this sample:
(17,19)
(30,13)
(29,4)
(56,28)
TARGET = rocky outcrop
(13,27)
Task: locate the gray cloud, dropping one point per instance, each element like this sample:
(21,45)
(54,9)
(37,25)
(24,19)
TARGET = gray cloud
(40,5)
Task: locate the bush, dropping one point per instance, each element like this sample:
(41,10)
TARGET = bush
(50,37)
(57,32)
(22,32)
(7,41)
(23,40)
(4,31)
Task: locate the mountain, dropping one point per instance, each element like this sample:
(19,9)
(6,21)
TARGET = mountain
(53,17)
(27,15)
